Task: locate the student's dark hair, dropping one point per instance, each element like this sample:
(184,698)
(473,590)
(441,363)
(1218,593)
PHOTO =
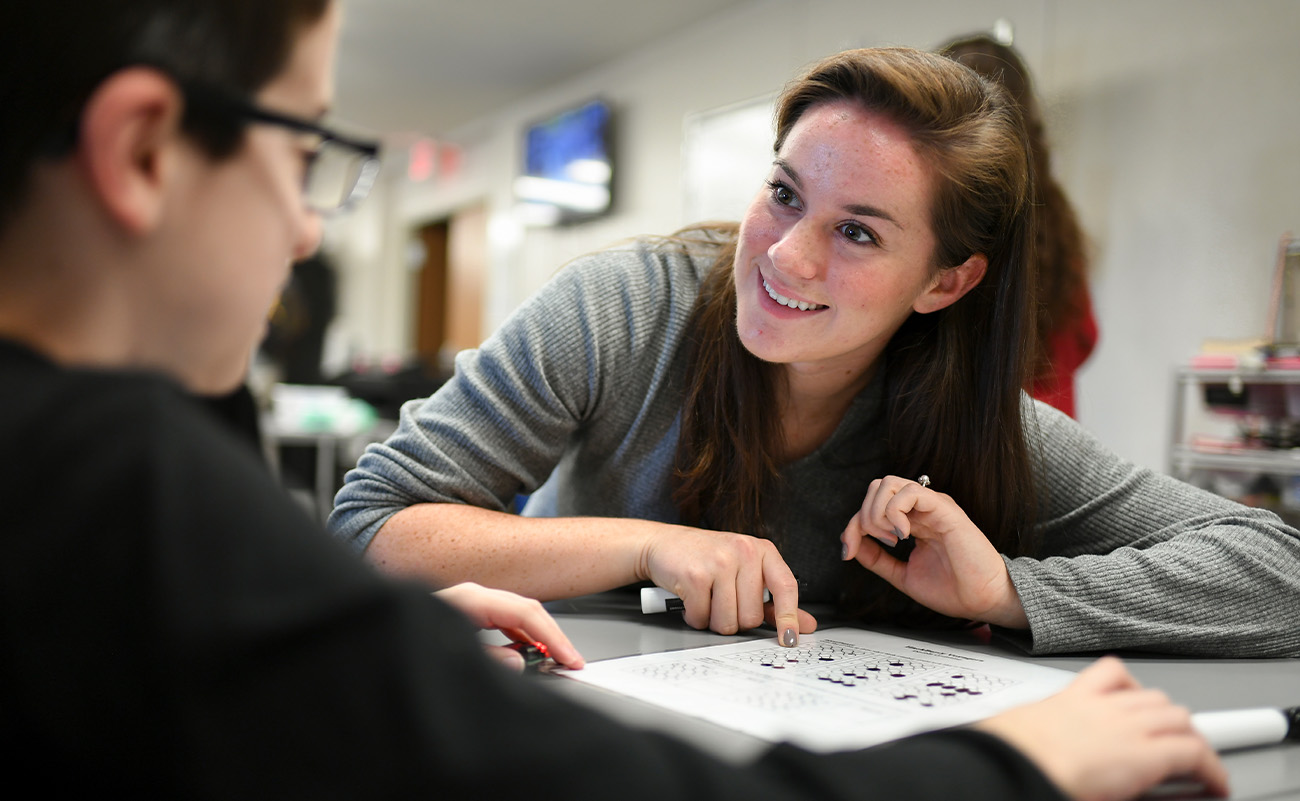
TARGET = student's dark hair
(54,53)
(953,377)
(1061,258)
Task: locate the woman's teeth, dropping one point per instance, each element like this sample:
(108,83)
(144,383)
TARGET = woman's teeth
(784,301)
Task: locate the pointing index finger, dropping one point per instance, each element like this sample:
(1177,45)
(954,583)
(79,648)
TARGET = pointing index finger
(784,588)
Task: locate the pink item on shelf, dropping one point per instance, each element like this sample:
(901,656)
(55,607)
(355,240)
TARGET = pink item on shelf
(1207,444)
(1215,361)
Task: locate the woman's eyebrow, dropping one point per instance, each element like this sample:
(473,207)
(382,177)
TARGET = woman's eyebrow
(856,209)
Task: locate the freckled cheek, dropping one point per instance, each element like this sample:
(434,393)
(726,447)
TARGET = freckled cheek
(870,303)
(758,231)
(886,290)
(850,292)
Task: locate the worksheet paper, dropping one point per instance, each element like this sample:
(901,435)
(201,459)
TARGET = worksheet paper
(838,689)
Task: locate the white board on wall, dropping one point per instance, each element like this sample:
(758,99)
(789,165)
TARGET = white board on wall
(726,154)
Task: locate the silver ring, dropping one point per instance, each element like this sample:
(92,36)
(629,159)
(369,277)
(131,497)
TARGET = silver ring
(924,481)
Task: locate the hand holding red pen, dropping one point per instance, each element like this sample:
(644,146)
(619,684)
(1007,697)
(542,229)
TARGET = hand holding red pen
(521,619)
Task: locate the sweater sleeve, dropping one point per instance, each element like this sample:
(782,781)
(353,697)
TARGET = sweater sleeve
(505,419)
(1131,558)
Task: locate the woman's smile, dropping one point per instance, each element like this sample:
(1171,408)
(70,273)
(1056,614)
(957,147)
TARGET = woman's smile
(787,302)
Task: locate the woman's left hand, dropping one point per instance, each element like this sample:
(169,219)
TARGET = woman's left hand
(953,568)
(517,616)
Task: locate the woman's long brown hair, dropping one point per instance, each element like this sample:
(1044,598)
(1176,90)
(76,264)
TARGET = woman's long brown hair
(953,377)
(1060,252)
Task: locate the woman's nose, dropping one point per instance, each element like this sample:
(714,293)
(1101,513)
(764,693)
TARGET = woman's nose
(798,253)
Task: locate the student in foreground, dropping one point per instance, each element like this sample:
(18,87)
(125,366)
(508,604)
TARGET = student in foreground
(173,625)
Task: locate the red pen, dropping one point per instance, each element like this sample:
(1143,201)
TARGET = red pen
(533,651)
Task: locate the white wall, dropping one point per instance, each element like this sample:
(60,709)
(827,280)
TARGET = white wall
(1176,128)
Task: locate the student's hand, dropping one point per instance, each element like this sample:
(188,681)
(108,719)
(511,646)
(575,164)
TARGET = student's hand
(953,568)
(720,578)
(1104,737)
(499,609)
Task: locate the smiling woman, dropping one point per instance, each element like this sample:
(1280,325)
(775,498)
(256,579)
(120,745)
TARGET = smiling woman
(725,409)
(858,210)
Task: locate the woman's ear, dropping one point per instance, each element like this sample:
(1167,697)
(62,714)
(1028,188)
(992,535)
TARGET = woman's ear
(950,284)
(125,144)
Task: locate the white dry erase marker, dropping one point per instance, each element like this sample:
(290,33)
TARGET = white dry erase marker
(657,599)
(1248,728)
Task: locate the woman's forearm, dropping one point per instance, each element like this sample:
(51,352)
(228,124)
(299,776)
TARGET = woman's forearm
(543,558)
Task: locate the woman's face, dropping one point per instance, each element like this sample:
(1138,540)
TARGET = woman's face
(836,251)
(239,224)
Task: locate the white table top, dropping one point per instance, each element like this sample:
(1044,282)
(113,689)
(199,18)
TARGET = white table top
(611,625)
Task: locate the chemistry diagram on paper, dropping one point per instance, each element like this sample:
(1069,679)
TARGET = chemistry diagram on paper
(841,688)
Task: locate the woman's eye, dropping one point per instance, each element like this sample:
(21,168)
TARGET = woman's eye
(856,233)
(783,194)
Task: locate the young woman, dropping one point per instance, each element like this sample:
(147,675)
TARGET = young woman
(173,625)
(725,410)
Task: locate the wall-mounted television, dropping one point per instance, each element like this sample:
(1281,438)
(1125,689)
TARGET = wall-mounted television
(568,173)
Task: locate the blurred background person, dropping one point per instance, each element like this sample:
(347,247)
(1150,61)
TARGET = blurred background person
(1066,329)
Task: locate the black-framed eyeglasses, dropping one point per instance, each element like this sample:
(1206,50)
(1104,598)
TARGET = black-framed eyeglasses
(340,170)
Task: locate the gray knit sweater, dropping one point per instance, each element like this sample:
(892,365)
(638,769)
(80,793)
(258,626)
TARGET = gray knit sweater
(576,401)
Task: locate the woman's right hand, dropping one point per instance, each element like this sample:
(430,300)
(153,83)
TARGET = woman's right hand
(1105,737)
(720,578)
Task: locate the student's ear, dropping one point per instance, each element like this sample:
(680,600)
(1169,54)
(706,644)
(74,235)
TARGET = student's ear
(950,284)
(128,127)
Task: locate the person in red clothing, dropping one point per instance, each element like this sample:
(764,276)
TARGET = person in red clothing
(1066,328)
